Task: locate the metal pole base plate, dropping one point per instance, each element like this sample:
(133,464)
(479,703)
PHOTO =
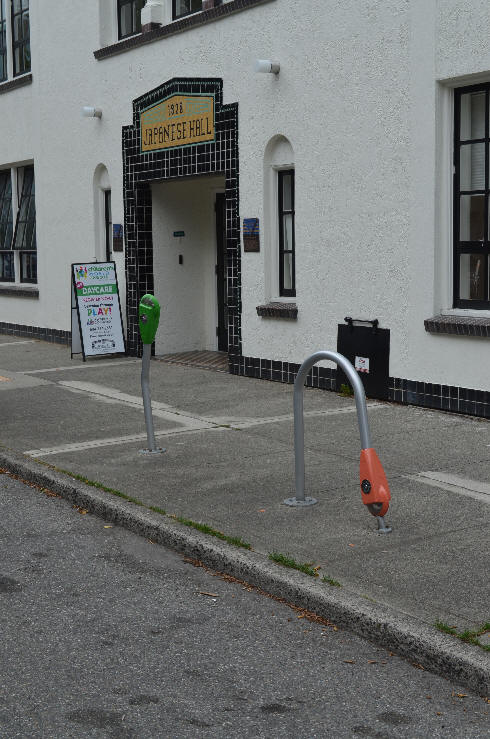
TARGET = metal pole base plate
(147,452)
(382,527)
(295,502)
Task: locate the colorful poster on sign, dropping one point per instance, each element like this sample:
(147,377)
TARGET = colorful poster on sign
(98,308)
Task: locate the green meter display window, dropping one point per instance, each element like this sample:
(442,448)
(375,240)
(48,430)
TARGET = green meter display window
(149,317)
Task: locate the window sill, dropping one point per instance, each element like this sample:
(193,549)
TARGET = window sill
(25,79)
(19,292)
(458,325)
(183,24)
(278,310)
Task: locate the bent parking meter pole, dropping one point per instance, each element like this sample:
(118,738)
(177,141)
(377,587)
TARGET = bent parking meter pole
(149,316)
(299,444)
(145,388)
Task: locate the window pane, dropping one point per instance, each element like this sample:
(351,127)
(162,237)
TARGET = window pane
(126,20)
(140,4)
(17,29)
(25,234)
(288,271)
(3,43)
(184,7)
(25,25)
(30,235)
(471,215)
(287,224)
(17,56)
(17,6)
(6,224)
(7,266)
(472,277)
(473,116)
(287,195)
(27,57)
(28,267)
(472,167)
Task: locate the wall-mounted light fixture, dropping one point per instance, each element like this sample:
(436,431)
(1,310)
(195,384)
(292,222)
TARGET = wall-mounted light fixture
(88,112)
(266,66)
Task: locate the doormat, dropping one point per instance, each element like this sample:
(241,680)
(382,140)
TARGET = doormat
(217,361)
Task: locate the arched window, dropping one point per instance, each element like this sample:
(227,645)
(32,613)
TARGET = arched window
(103,214)
(280,208)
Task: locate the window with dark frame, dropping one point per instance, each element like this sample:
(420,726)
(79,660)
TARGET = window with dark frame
(25,227)
(7,268)
(180,8)
(108,225)
(287,279)
(129,17)
(21,45)
(472,198)
(3,42)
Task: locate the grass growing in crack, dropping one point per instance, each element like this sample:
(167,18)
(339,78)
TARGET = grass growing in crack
(287,561)
(346,391)
(100,486)
(468,636)
(205,529)
(331,581)
(156,509)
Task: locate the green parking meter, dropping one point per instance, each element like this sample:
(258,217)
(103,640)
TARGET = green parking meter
(149,316)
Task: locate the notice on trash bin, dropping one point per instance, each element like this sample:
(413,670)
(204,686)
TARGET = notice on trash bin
(96,310)
(362,364)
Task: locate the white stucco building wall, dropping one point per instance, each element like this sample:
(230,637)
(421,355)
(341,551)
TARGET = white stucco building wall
(364,100)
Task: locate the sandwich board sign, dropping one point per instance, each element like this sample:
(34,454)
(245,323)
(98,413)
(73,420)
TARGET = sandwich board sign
(96,320)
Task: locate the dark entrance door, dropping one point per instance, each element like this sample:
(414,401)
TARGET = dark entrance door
(222,328)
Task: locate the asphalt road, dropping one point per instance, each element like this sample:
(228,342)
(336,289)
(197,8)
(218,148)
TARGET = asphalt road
(104,634)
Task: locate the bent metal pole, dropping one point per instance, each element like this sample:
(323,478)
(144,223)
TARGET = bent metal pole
(145,389)
(299,426)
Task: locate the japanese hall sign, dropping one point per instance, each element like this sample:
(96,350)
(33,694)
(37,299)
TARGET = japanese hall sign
(95,302)
(179,120)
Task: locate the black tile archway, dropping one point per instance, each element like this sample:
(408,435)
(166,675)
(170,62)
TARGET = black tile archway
(141,169)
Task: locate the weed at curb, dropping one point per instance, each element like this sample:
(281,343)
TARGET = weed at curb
(331,581)
(156,509)
(470,637)
(287,561)
(236,541)
(204,528)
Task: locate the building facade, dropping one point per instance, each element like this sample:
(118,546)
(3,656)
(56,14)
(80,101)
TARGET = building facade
(262,208)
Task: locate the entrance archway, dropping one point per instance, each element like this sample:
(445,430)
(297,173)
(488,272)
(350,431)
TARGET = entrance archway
(187,132)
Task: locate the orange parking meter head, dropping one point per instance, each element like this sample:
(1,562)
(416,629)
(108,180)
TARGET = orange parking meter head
(375,490)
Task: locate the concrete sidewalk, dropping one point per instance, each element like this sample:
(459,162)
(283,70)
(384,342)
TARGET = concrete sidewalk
(230,464)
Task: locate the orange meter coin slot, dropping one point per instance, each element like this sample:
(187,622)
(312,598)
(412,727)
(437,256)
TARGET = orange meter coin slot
(375,490)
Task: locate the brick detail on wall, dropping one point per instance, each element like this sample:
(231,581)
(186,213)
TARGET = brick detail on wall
(408,392)
(53,335)
(458,325)
(25,79)
(278,310)
(183,24)
(140,169)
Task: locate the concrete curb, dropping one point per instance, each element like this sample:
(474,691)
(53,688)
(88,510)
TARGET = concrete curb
(389,628)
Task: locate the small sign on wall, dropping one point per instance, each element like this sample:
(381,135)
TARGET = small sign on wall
(362,364)
(117,237)
(251,240)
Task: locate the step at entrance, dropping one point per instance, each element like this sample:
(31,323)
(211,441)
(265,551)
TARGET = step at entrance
(217,361)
